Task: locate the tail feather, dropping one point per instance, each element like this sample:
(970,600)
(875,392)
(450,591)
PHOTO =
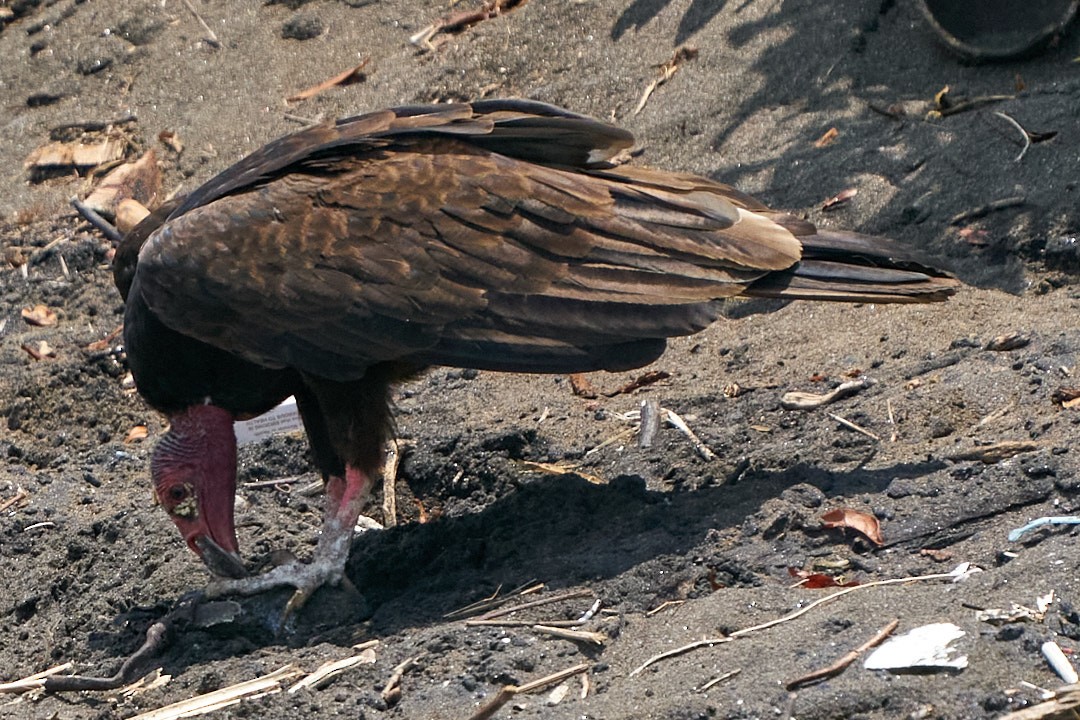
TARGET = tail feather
(850,267)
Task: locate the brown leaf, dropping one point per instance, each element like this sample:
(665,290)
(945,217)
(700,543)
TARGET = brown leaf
(856,520)
(39,315)
(976,237)
(1012,341)
(582,387)
(139,181)
(129,213)
(839,198)
(815,580)
(1066,397)
(136,434)
(171,140)
(643,380)
(39,350)
(937,554)
(828,138)
(14,256)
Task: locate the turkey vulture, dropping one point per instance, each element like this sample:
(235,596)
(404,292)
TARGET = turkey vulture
(498,235)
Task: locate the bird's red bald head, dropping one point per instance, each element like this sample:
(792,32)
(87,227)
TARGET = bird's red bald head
(194,473)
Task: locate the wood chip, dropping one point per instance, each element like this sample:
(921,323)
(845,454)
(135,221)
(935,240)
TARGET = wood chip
(74,155)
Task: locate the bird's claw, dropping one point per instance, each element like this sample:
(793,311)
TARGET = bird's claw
(304,577)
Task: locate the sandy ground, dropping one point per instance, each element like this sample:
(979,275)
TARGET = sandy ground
(676,547)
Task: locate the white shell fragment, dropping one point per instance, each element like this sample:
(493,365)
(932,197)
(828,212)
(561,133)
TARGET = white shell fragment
(922,648)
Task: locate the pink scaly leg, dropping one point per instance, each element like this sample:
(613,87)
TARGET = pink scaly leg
(345,498)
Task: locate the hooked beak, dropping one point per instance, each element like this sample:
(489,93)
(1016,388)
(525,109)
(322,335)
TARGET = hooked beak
(216,558)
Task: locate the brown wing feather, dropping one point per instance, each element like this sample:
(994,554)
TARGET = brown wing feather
(494,235)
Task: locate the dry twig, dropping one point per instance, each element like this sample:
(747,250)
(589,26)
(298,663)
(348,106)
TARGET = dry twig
(18,497)
(333,668)
(996,452)
(716,680)
(348,77)
(1023,134)
(211,38)
(708,642)
(596,638)
(1002,204)
(391,693)
(667,70)
(852,426)
(840,665)
(571,595)
(509,691)
(460,21)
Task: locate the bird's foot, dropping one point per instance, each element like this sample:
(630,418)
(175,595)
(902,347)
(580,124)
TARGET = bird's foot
(345,497)
(326,568)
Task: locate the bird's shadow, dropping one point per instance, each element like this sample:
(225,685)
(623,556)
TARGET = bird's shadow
(640,12)
(561,530)
(880,58)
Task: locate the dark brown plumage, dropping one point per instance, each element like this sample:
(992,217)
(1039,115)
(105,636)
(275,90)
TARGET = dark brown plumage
(496,235)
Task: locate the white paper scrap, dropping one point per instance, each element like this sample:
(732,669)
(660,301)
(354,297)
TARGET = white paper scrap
(282,419)
(922,648)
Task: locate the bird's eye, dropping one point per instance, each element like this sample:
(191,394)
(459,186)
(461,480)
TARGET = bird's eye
(177,493)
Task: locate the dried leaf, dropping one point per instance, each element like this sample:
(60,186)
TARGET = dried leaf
(1012,341)
(643,380)
(856,520)
(582,387)
(941,99)
(839,198)
(136,434)
(816,580)
(171,140)
(14,256)
(39,315)
(39,350)
(828,138)
(937,554)
(129,213)
(139,181)
(1066,397)
(975,236)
